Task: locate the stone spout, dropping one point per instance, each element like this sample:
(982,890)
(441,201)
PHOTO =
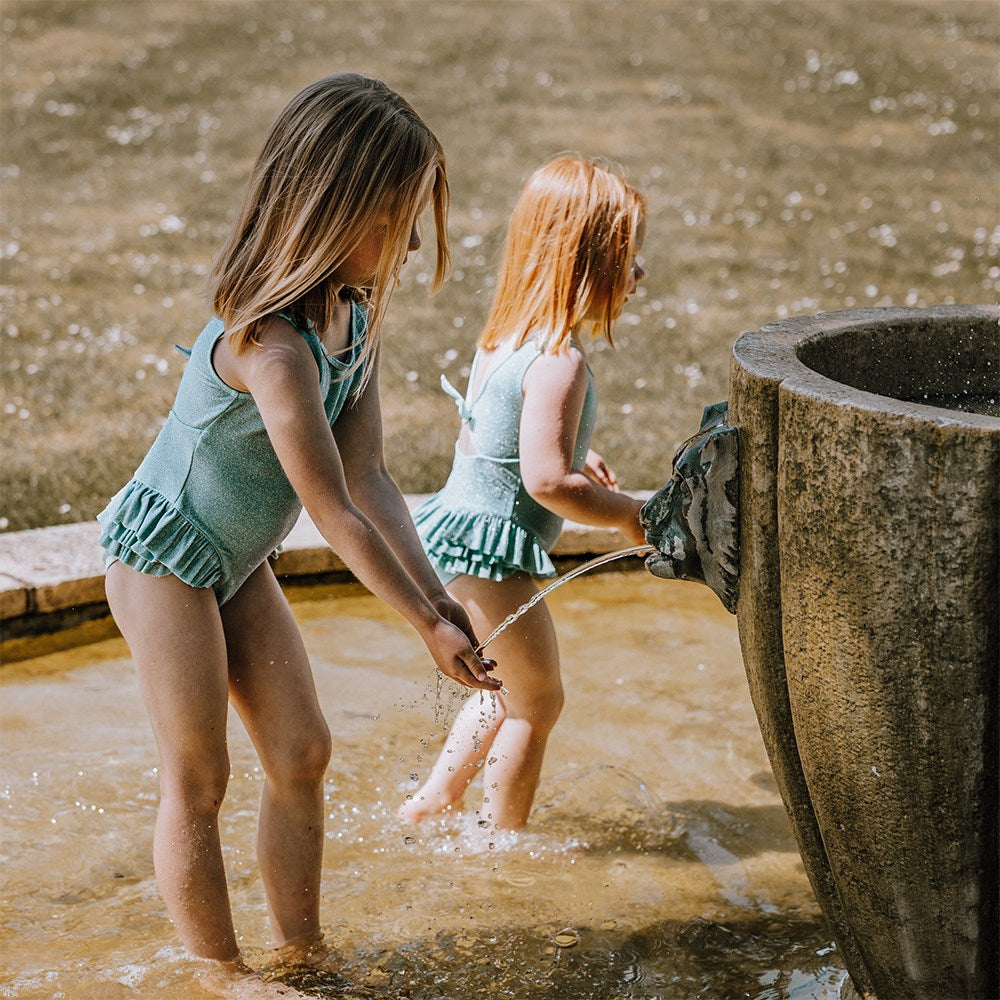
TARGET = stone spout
(693,520)
(869,619)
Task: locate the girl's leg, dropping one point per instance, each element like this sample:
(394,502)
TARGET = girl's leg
(463,754)
(512,744)
(175,636)
(527,656)
(272,688)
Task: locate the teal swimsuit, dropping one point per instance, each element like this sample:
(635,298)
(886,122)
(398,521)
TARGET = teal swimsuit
(210,501)
(483,522)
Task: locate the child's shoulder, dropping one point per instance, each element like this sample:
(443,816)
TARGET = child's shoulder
(277,342)
(555,370)
(285,324)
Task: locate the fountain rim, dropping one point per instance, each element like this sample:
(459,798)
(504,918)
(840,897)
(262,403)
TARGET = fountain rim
(772,354)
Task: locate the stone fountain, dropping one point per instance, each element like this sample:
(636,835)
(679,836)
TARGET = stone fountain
(869,618)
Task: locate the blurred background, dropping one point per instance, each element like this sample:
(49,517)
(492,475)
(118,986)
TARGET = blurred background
(798,156)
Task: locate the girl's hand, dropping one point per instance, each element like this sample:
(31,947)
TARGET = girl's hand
(455,658)
(631,528)
(451,611)
(597,469)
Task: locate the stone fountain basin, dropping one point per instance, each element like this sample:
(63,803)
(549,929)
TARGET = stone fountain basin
(870,502)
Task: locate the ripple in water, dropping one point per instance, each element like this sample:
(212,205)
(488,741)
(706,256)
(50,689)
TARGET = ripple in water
(625,816)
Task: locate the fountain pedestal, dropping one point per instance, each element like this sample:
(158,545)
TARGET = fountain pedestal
(869,618)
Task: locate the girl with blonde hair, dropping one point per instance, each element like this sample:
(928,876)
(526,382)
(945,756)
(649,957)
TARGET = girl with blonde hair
(278,408)
(522,464)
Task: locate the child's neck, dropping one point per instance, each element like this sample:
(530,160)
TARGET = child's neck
(337,336)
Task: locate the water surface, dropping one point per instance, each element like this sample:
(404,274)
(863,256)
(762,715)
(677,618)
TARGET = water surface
(659,862)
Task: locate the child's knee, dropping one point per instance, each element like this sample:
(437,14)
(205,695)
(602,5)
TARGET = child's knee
(550,705)
(303,760)
(199,784)
(545,707)
(316,754)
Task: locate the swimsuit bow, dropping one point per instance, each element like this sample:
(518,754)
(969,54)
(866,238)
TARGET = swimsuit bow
(463,408)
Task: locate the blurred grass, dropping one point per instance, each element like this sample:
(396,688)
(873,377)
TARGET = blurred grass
(798,157)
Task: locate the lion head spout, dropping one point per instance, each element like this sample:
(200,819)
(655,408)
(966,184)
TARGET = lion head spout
(693,521)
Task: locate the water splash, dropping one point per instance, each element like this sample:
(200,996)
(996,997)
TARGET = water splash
(579,571)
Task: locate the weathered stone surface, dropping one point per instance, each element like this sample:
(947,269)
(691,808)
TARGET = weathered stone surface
(59,567)
(868,616)
(13,597)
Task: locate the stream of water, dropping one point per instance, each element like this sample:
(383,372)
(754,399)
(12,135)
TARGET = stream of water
(594,563)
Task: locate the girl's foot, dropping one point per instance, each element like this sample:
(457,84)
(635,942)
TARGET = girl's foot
(311,950)
(310,965)
(423,804)
(237,981)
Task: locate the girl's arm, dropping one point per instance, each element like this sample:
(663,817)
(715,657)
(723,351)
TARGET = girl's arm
(358,434)
(555,386)
(281,376)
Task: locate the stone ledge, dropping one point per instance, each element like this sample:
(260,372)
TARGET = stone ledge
(51,578)
(13,598)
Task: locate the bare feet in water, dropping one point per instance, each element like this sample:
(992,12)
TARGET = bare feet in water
(304,962)
(309,950)
(424,804)
(237,981)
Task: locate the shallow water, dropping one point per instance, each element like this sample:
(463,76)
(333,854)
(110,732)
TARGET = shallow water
(659,862)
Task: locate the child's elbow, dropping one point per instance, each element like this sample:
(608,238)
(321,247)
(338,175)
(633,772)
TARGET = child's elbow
(543,489)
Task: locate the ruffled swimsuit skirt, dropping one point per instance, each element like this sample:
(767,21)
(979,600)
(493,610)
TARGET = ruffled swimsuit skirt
(483,524)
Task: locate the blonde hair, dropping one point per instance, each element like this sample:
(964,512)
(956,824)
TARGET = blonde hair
(567,255)
(345,150)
